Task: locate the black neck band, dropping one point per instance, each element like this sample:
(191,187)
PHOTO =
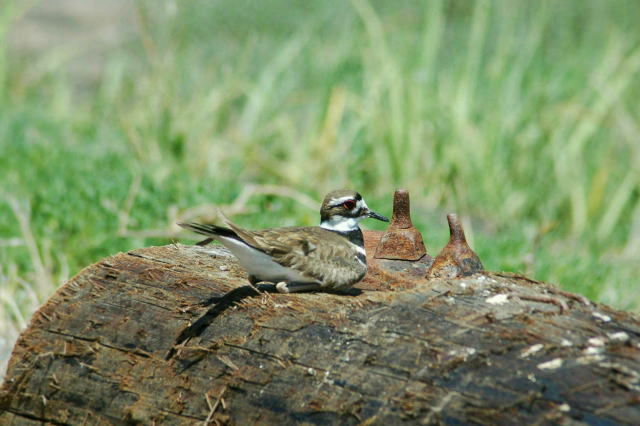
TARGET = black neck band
(355,236)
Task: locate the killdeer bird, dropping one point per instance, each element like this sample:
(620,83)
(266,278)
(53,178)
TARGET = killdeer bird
(329,256)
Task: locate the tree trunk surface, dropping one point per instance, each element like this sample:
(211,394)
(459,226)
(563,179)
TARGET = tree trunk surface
(175,335)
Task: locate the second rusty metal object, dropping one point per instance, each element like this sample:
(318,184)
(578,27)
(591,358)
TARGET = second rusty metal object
(402,241)
(456,259)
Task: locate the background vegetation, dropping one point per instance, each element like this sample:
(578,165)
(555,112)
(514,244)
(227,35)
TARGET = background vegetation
(521,116)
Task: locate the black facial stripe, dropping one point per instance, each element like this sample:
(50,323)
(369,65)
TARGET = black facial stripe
(362,257)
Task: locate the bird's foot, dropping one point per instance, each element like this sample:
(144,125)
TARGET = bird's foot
(282,287)
(292,287)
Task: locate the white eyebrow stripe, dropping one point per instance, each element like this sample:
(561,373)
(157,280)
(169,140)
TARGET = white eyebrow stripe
(340,200)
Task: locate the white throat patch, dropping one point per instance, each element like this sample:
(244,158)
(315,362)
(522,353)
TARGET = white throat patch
(341,224)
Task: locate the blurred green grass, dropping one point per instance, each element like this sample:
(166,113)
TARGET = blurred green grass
(521,116)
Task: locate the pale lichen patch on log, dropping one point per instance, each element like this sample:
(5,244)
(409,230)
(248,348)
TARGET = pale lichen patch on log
(602,317)
(554,364)
(531,350)
(498,299)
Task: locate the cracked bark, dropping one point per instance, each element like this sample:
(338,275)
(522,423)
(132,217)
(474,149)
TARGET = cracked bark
(174,335)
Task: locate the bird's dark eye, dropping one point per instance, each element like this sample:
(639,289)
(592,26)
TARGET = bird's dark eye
(349,204)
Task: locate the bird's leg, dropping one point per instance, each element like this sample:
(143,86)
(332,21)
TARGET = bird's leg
(253,280)
(293,287)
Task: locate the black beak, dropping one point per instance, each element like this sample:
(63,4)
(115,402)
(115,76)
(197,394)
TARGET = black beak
(375,215)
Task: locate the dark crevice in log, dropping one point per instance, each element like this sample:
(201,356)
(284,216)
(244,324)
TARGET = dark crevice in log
(43,420)
(128,351)
(183,416)
(145,257)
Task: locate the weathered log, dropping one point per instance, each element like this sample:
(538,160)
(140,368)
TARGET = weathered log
(174,335)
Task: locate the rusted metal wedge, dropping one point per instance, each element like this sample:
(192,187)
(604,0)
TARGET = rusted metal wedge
(399,249)
(402,241)
(456,259)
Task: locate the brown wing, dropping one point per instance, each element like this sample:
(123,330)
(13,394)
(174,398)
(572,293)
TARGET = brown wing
(317,253)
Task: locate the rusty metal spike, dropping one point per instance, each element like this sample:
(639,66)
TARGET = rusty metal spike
(456,259)
(455,228)
(401,216)
(402,241)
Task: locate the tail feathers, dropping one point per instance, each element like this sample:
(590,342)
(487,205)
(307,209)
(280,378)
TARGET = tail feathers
(226,220)
(204,242)
(209,230)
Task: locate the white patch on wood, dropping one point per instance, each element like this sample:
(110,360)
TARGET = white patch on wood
(213,250)
(593,350)
(588,359)
(596,341)
(554,364)
(602,317)
(463,353)
(619,336)
(531,350)
(498,299)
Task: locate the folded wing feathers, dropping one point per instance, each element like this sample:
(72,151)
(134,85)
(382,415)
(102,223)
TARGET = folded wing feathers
(292,252)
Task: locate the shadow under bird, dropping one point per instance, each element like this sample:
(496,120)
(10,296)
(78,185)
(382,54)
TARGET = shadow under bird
(329,256)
